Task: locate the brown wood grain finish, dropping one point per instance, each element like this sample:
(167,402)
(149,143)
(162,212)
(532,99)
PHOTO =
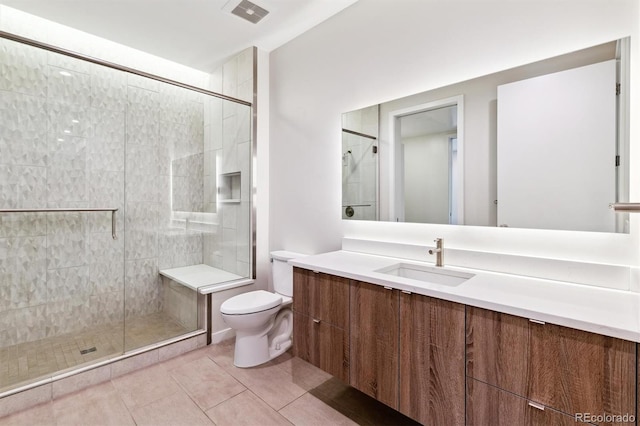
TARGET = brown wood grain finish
(432,375)
(321,321)
(333,356)
(303,337)
(331,299)
(581,372)
(302,289)
(488,405)
(323,345)
(322,296)
(374,341)
(569,370)
(498,349)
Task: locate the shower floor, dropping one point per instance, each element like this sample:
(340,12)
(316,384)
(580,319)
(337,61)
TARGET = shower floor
(28,362)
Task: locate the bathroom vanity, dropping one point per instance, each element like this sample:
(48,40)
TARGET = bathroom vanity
(489,348)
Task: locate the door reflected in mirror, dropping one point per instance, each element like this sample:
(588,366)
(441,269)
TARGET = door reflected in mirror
(456,175)
(427,172)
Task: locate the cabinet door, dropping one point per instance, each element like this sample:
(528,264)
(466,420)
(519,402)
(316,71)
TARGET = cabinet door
(322,296)
(498,349)
(570,370)
(432,376)
(302,291)
(488,405)
(581,372)
(323,345)
(331,299)
(374,341)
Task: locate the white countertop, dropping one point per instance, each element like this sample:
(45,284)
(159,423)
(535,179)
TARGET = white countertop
(610,312)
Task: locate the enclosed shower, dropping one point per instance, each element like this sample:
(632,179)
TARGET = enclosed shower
(107,177)
(360,164)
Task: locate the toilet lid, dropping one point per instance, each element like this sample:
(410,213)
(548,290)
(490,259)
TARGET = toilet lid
(251,302)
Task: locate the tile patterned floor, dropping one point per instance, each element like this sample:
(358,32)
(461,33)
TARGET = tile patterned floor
(28,362)
(204,388)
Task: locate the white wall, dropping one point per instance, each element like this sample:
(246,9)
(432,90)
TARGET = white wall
(426,183)
(357,59)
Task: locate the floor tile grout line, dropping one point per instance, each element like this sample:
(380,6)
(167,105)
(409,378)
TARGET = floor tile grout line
(133,419)
(260,398)
(204,411)
(285,406)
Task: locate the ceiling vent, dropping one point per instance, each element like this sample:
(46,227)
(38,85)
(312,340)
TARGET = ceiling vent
(247,10)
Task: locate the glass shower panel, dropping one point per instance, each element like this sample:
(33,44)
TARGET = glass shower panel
(61,273)
(228,156)
(175,163)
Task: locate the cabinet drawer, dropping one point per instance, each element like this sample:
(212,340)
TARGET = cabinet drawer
(321,344)
(488,405)
(321,296)
(570,370)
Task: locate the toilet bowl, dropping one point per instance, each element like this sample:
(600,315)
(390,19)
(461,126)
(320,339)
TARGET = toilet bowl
(263,321)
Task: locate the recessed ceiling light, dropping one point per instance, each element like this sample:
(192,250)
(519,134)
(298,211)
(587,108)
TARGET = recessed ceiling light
(67,131)
(65,73)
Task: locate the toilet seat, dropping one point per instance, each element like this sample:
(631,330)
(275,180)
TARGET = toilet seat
(251,302)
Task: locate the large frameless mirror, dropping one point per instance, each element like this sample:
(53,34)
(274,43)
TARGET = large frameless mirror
(541,146)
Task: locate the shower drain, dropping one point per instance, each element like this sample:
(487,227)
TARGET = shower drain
(86,351)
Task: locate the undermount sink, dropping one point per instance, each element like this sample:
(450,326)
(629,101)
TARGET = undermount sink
(428,274)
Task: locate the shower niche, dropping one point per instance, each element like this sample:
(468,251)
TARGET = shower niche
(229,189)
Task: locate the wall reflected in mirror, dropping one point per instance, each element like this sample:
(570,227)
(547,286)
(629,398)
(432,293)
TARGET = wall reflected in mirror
(459,174)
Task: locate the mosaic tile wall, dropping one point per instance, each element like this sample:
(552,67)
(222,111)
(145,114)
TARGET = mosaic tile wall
(74,134)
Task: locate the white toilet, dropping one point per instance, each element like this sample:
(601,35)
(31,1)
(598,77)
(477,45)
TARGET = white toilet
(263,321)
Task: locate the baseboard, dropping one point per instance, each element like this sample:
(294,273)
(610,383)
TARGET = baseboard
(222,335)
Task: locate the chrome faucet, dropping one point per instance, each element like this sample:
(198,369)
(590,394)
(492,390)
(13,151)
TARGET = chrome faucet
(438,251)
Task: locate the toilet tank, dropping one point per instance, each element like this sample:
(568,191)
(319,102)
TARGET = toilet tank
(282,272)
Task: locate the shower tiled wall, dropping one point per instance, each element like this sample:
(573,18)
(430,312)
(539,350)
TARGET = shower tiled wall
(360,164)
(228,152)
(59,272)
(74,134)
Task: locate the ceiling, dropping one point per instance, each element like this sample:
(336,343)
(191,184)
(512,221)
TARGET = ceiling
(196,33)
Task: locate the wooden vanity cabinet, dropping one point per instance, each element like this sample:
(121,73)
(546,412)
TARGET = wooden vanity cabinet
(374,353)
(321,321)
(407,351)
(562,368)
(432,377)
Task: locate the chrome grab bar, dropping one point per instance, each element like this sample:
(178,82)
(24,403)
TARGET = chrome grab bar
(625,207)
(113,214)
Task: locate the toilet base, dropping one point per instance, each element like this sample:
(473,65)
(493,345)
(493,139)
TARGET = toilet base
(253,348)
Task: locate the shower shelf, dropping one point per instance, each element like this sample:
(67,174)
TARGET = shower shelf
(63,210)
